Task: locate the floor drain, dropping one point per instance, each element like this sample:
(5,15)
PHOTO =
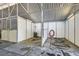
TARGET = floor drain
(24,49)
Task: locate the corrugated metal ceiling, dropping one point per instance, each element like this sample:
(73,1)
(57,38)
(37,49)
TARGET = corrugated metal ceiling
(51,11)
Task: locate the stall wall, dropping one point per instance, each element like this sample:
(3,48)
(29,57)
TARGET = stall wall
(17,29)
(38,28)
(53,26)
(33,28)
(9,35)
(29,29)
(22,34)
(9,29)
(67,28)
(72,26)
(71,29)
(77,29)
(60,29)
(4,34)
(13,36)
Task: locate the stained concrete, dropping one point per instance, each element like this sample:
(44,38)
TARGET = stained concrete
(18,48)
(4,44)
(32,41)
(7,53)
(57,48)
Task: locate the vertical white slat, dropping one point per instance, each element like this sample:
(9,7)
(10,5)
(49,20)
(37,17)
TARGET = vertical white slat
(71,29)
(77,29)
(60,29)
(67,27)
(29,29)
(45,30)
(52,26)
(38,28)
(21,29)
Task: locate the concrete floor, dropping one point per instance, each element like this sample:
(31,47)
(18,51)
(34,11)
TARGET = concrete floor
(32,41)
(59,47)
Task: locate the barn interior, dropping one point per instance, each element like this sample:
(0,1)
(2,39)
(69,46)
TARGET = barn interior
(39,29)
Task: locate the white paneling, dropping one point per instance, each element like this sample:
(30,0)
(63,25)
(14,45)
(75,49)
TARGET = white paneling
(33,29)
(45,33)
(77,29)
(29,29)
(38,28)
(5,35)
(21,29)
(46,29)
(46,25)
(60,29)
(66,33)
(52,26)
(13,35)
(71,29)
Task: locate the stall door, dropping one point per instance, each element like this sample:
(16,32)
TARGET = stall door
(9,30)
(12,29)
(4,32)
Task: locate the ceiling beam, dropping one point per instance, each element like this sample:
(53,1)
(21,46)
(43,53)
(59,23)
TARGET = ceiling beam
(6,5)
(26,10)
